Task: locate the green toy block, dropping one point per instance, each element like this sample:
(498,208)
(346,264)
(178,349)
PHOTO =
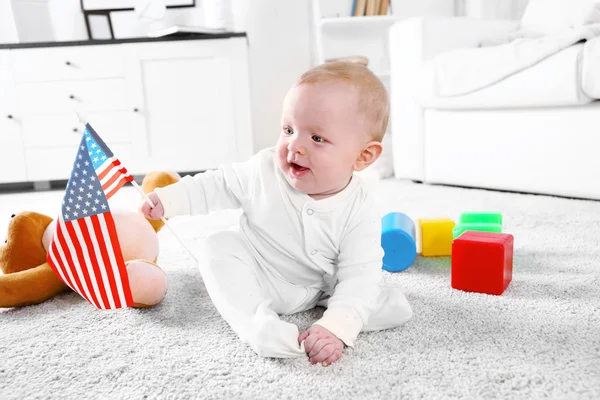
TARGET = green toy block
(485,222)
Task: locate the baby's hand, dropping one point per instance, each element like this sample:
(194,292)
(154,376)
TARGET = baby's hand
(321,345)
(153,213)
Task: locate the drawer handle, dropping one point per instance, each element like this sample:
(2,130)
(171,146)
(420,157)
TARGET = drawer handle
(72,97)
(136,109)
(9,116)
(75,130)
(68,63)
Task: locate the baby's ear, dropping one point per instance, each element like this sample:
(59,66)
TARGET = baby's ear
(368,155)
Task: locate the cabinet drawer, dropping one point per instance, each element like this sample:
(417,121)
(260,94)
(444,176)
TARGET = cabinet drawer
(65,130)
(56,97)
(57,163)
(67,63)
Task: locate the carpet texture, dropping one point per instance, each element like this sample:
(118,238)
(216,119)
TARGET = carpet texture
(540,339)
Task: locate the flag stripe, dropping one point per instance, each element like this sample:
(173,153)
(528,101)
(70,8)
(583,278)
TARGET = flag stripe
(117,262)
(96,266)
(103,249)
(65,257)
(106,167)
(112,190)
(80,266)
(68,258)
(88,267)
(58,267)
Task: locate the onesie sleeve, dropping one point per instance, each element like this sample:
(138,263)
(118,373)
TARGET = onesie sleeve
(359,276)
(228,187)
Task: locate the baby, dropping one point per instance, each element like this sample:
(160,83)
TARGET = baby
(309,234)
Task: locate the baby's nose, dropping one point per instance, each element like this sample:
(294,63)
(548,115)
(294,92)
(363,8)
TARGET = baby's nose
(295,146)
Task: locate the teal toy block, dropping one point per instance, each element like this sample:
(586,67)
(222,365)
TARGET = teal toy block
(478,221)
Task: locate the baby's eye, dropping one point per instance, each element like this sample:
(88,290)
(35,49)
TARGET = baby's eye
(317,139)
(287,130)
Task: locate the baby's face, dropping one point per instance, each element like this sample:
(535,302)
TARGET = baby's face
(322,135)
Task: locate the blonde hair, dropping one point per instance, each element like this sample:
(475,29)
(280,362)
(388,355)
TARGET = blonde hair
(373,97)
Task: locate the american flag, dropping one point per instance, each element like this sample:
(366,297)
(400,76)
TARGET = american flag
(85,251)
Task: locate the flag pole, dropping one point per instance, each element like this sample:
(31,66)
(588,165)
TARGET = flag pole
(145,196)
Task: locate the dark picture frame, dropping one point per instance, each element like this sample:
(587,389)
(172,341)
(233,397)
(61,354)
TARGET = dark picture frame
(107,13)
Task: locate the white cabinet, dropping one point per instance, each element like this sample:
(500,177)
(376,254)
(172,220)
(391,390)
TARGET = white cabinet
(193,103)
(12,162)
(178,105)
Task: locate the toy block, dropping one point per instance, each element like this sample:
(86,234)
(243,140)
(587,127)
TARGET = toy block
(484,222)
(398,239)
(482,262)
(436,237)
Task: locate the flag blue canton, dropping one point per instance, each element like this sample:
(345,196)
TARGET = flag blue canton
(84,196)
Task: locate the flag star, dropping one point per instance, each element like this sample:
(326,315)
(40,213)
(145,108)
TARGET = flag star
(98,192)
(93,145)
(85,171)
(66,216)
(82,147)
(94,209)
(92,178)
(76,174)
(85,211)
(70,200)
(87,163)
(83,181)
(72,191)
(104,157)
(77,206)
(95,159)
(87,204)
(63,202)
(89,153)
(81,189)
(103,206)
(74,183)
(87,138)
(79,165)
(79,198)
(98,151)
(96,201)
(75,214)
(68,208)
(80,156)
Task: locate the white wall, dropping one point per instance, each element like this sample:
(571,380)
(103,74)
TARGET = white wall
(492,9)
(279,32)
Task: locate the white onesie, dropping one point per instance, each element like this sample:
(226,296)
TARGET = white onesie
(291,253)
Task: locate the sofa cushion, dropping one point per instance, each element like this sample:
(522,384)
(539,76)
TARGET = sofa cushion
(555,81)
(547,16)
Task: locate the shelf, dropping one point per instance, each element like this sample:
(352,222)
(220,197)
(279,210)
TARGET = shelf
(353,21)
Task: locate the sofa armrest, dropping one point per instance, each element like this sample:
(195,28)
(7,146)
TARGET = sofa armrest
(590,70)
(412,42)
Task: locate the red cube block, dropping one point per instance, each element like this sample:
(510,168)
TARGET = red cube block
(482,262)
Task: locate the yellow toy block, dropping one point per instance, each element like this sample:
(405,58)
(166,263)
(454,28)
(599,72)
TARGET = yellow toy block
(436,237)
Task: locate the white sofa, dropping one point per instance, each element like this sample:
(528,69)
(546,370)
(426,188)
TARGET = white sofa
(537,131)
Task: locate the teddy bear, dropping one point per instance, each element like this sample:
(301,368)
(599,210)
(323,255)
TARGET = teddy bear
(28,279)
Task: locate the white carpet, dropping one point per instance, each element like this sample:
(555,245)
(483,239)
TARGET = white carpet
(540,339)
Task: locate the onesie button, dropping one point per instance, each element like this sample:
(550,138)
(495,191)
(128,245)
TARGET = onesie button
(310,211)
(313,252)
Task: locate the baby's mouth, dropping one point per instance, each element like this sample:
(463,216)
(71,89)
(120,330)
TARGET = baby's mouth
(297,167)
(297,170)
